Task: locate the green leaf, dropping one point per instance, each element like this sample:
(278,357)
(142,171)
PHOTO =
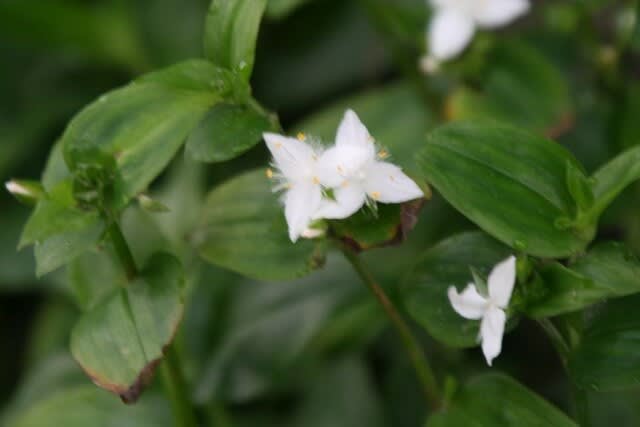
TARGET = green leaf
(243,229)
(580,188)
(510,183)
(141,126)
(226,132)
(231,31)
(60,230)
(608,356)
(519,86)
(121,341)
(389,225)
(613,177)
(449,263)
(83,406)
(495,400)
(608,270)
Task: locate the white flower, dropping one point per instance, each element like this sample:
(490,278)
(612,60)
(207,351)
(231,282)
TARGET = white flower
(297,163)
(471,305)
(17,189)
(355,172)
(455,21)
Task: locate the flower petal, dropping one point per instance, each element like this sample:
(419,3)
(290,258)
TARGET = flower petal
(294,158)
(353,132)
(386,183)
(349,198)
(491,332)
(340,163)
(497,13)
(501,281)
(300,202)
(449,33)
(469,304)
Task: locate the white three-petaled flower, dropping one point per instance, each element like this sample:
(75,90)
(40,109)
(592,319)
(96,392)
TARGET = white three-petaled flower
(297,164)
(471,305)
(355,172)
(454,23)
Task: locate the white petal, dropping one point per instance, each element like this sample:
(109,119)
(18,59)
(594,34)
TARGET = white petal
(339,163)
(491,331)
(497,13)
(294,158)
(349,199)
(501,281)
(352,132)
(386,183)
(469,304)
(300,202)
(449,33)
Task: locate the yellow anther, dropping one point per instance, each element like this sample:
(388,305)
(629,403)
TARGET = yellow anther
(316,180)
(344,184)
(269,173)
(301,136)
(383,154)
(375,195)
(278,144)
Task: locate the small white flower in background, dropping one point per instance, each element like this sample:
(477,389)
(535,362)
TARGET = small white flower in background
(355,173)
(296,163)
(17,189)
(454,23)
(351,169)
(471,305)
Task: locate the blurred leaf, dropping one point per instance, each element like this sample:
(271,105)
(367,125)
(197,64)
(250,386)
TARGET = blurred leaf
(608,355)
(607,271)
(243,228)
(281,8)
(519,86)
(231,31)
(101,31)
(143,125)
(395,116)
(509,182)
(613,177)
(449,263)
(270,328)
(343,395)
(226,132)
(121,341)
(629,124)
(16,268)
(88,406)
(495,400)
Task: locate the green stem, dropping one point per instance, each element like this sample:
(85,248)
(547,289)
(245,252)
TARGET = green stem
(418,359)
(556,338)
(122,250)
(177,391)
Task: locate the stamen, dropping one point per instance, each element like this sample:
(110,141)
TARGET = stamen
(344,184)
(383,154)
(316,180)
(375,195)
(269,173)
(301,136)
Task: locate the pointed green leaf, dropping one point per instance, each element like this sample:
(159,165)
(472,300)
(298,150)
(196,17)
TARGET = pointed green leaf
(120,341)
(580,188)
(510,183)
(495,400)
(226,132)
(607,271)
(231,31)
(608,356)
(449,263)
(141,126)
(613,177)
(243,229)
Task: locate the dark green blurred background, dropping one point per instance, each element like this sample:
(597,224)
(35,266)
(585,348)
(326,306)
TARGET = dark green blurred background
(312,352)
